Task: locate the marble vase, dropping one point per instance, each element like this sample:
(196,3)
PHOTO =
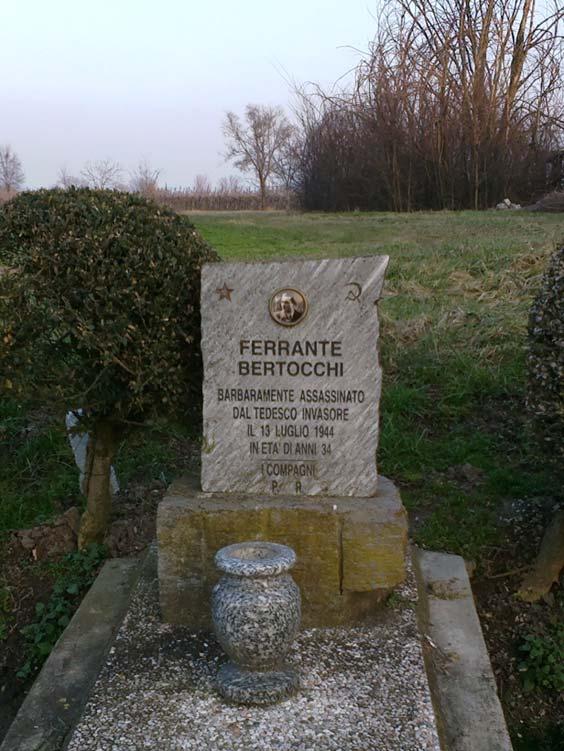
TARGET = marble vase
(256,614)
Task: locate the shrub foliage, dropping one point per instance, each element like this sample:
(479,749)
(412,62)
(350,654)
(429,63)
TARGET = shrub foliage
(542,663)
(52,617)
(545,398)
(99,311)
(100,308)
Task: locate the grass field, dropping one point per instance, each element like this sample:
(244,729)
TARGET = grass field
(454,313)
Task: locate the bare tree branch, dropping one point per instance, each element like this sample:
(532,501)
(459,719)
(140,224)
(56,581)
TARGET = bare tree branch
(66,180)
(103,174)
(456,104)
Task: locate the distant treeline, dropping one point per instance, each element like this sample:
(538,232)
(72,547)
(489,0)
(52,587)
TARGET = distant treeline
(217,199)
(456,105)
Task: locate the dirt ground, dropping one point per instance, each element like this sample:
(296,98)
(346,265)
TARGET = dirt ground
(535,717)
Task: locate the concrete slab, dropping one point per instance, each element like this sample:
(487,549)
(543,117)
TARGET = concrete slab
(56,699)
(462,682)
(362,689)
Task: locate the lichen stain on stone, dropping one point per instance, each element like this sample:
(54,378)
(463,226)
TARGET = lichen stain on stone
(208,446)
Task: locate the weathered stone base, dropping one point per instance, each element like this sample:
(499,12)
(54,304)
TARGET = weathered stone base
(351,551)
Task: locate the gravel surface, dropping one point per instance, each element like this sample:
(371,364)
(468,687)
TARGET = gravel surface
(362,689)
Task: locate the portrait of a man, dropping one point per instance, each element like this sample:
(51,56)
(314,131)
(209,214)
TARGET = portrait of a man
(288,306)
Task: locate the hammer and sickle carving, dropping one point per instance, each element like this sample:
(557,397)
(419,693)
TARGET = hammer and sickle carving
(354,292)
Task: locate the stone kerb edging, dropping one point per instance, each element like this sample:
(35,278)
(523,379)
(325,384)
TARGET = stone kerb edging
(463,688)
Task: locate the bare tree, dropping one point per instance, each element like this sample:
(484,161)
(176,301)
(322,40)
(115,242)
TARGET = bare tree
(66,180)
(145,180)
(102,174)
(11,172)
(254,144)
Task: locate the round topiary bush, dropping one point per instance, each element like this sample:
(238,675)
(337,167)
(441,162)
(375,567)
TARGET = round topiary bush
(545,360)
(99,311)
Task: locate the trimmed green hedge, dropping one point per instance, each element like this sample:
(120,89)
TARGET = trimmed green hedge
(100,308)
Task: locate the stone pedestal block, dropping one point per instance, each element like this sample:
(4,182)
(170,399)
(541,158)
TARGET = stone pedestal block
(351,551)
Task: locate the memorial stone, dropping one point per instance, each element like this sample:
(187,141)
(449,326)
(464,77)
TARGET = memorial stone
(290,432)
(291,376)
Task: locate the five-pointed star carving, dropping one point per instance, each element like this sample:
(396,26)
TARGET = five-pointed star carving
(224,292)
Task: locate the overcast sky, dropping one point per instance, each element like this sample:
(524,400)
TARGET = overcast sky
(137,79)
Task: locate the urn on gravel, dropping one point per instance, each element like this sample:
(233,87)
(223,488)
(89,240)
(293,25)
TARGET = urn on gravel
(256,614)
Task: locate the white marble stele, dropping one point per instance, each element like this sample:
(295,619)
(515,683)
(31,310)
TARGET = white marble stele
(291,376)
